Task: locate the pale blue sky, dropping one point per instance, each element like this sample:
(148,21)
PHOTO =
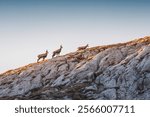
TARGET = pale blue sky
(29,27)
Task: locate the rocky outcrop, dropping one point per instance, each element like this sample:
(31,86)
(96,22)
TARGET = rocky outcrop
(118,71)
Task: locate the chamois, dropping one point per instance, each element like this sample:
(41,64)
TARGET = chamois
(44,55)
(83,47)
(57,52)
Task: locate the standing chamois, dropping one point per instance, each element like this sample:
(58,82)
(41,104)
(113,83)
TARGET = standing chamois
(44,55)
(83,47)
(57,52)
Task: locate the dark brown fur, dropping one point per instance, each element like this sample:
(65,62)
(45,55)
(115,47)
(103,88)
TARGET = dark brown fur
(43,56)
(57,52)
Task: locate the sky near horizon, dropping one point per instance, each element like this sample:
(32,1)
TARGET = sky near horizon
(29,27)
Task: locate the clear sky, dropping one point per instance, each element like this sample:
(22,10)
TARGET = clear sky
(29,27)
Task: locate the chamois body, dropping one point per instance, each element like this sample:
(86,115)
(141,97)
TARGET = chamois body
(57,52)
(83,47)
(43,56)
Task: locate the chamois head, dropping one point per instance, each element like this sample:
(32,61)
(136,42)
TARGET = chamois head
(61,46)
(47,51)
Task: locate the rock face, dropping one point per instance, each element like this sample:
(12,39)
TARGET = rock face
(119,71)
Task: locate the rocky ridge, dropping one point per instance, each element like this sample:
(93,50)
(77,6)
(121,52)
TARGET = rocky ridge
(118,71)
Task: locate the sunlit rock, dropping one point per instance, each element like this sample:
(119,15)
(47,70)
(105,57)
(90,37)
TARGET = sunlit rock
(118,71)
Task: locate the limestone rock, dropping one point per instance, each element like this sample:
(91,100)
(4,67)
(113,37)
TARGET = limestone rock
(118,71)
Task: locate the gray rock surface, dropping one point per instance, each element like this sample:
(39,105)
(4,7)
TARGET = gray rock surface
(112,72)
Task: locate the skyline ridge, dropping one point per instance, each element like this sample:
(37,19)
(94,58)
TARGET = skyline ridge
(28,27)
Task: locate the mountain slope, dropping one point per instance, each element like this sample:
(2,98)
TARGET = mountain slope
(118,71)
